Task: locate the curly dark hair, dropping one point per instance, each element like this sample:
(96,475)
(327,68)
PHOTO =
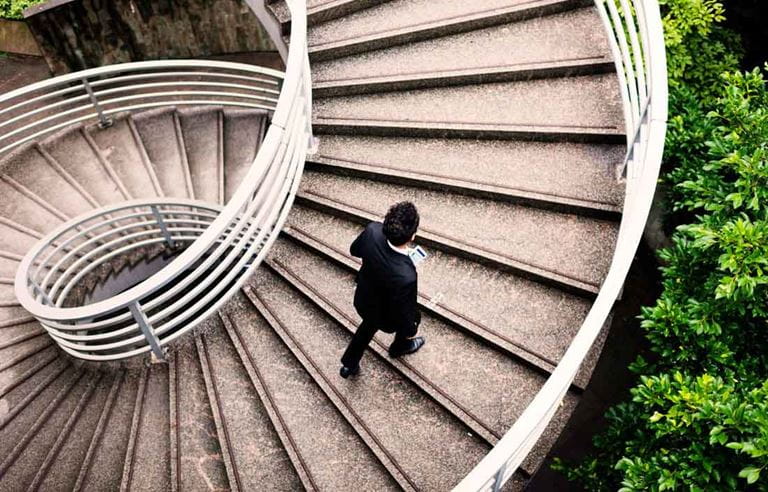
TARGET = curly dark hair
(401,223)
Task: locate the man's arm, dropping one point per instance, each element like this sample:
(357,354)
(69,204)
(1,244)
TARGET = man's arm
(405,308)
(356,248)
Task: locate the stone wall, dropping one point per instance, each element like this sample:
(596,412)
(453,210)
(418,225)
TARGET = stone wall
(16,38)
(78,34)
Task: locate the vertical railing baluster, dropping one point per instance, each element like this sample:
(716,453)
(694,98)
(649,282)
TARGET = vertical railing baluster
(146,329)
(163,227)
(104,121)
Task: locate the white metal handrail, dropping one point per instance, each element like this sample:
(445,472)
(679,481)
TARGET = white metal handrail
(223,244)
(637,42)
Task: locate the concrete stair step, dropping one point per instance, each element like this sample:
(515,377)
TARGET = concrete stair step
(583,103)
(565,250)
(244,131)
(31,452)
(62,464)
(321,10)
(147,460)
(438,450)
(406,21)
(102,468)
(567,177)
(23,386)
(14,374)
(79,156)
(20,347)
(323,447)
(482,53)
(161,136)
(203,130)
(243,420)
(199,455)
(16,239)
(29,210)
(33,171)
(121,147)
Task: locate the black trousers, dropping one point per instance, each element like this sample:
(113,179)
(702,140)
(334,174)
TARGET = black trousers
(360,341)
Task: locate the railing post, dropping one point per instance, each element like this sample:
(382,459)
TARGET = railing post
(163,228)
(104,122)
(498,479)
(41,292)
(146,329)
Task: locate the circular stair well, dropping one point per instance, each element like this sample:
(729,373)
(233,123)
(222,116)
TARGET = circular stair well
(501,120)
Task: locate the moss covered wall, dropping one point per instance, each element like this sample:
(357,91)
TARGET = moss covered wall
(79,34)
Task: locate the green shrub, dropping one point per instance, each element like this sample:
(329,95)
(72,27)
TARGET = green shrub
(13,9)
(698,417)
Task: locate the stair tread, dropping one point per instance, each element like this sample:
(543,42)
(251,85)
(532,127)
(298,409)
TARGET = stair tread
(199,449)
(165,150)
(151,459)
(66,466)
(106,467)
(260,460)
(572,170)
(25,383)
(23,210)
(584,102)
(433,448)
(201,138)
(243,132)
(569,245)
(489,47)
(335,456)
(120,149)
(77,157)
(31,170)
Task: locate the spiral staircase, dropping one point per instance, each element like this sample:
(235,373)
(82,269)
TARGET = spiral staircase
(505,121)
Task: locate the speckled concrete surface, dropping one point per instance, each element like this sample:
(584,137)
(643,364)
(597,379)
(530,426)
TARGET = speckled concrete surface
(336,456)
(74,154)
(121,150)
(575,246)
(433,448)
(162,142)
(491,385)
(399,14)
(584,101)
(243,131)
(201,465)
(12,313)
(23,210)
(65,469)
(19,350)
(26,466)
(31,170)
(574,170)
(534,40)
(152,456)
(259,456)
(15,389)
(106,469)
(201,138)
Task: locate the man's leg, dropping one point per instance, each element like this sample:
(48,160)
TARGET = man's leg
(357,346)
(405,344)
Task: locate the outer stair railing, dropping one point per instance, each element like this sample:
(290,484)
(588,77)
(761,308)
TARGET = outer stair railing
(219,246)
(637,42)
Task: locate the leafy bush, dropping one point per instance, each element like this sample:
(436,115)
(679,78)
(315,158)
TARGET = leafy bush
(13,9)
(698,418)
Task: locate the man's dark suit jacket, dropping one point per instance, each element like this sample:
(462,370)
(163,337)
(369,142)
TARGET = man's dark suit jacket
(386,284)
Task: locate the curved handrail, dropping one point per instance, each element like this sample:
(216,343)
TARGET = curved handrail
(637,42)
(237,238)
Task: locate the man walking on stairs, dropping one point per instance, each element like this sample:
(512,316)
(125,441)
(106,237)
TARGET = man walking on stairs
(386,291)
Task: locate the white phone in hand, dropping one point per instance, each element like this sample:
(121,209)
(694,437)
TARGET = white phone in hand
(417,255)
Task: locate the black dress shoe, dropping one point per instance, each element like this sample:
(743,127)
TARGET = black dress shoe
(345,371)
(412,346)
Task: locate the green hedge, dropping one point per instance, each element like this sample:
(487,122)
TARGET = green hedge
(698,416)
(12,9)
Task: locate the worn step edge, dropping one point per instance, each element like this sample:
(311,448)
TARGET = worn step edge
(130,452)
(439,395)
(273,412)
(324,12)
(483,131)
(145,160)
(222,431)
(527,357)
(457,247)
(98,433)
(42,473)
(470,76)
(32,394)
(39,422)
(173,422)
(8,363)
(473,188)
(22,338)
(28,374)
(182,149)
(442,27)
(338,400)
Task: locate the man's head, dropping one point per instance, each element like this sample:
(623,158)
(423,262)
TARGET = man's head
(401,223)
